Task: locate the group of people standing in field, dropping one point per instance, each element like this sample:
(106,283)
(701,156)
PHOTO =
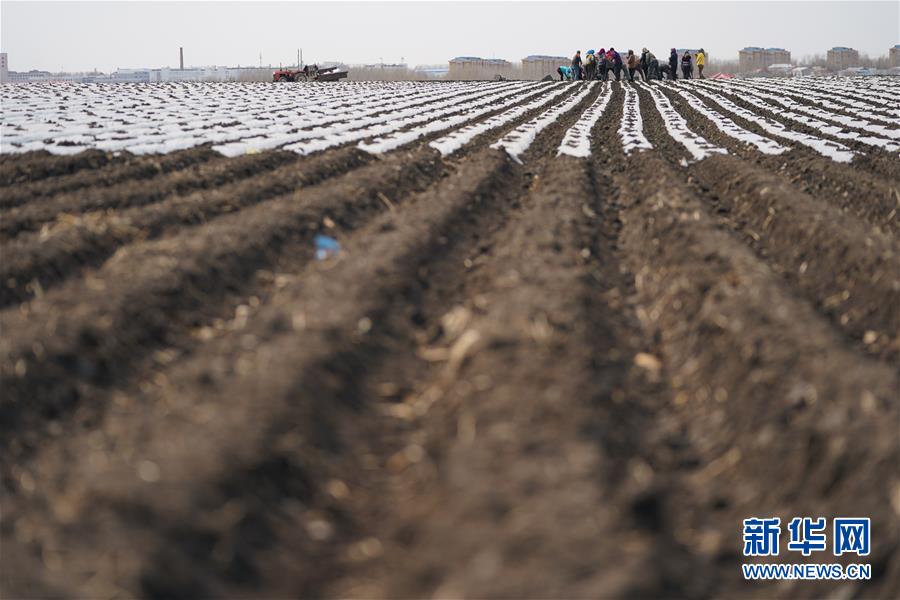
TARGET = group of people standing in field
(603,64)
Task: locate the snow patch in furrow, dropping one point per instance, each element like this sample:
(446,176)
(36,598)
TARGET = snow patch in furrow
(390,142)
(678,128)
(69,118)
(577,141)
(631,130)
(829,116)
(449,144)
(828,148)
(390,123)
(517,141)
(730,128)
(829,98)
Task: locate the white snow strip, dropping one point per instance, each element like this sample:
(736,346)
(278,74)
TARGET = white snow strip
(631,131)
(730,128)
(146,118)
(830,98)
(828,148)
(577,141)
(678,128)
(384,124)
(401,120)
(844,120)
(517,141)
(394,140)
(452,142)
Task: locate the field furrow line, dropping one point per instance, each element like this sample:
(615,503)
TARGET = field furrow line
(121,171)
(729,127)
(348,125)
(757,98)
(17,169)
(827,148)
(698,147)
(453,142)
(844,186)
(842,266)
(836,99)
(736,344)
(394,140)
(338,309)
(516,142)
(631,130)
(833,100)
(66,337)
(400,121)
(37,261)
(175,182)
(577,140)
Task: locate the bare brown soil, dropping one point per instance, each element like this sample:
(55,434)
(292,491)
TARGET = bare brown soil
(564,378)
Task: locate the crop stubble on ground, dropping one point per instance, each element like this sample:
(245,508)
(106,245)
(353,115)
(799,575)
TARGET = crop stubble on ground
(527,373)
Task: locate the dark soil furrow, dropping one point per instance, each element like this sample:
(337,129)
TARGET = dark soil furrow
(185,179)
(91,330)
(520,456)
(848,270)
(759,377)
(35,166)
(40,260)
(872,160)
(561,377)
(844,109)
(112,177)
(313,340)
(858,193)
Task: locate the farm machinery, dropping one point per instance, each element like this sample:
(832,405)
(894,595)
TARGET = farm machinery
(309,73)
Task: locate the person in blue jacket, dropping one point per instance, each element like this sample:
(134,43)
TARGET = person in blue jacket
(565,73)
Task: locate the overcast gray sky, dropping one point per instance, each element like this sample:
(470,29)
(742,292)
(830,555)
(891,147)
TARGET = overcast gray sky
(83,35)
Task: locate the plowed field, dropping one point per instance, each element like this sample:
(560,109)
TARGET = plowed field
(574,335)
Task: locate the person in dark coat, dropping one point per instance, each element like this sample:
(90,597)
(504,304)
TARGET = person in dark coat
(576,66)
(617,62)
(687,65)
(650,65)
(673,64)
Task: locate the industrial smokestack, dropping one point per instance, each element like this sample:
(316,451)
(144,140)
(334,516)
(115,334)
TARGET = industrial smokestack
(181,58)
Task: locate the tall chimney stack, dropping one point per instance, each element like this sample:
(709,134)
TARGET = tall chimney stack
(181,57)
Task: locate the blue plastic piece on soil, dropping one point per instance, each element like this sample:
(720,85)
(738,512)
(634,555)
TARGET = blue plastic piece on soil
(326,247)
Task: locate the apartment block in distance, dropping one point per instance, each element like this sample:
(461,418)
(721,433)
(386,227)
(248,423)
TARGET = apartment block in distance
(538,66)
(841,57)
(474,67)
(753,58)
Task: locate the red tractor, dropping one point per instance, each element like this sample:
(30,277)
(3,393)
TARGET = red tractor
(309,73)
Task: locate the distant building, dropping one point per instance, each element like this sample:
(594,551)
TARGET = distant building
(841,57)
(130,76)
(4,67)
(432,71)
(753,58)
(538,66)
(895,56)
(474,67)
(211,73)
